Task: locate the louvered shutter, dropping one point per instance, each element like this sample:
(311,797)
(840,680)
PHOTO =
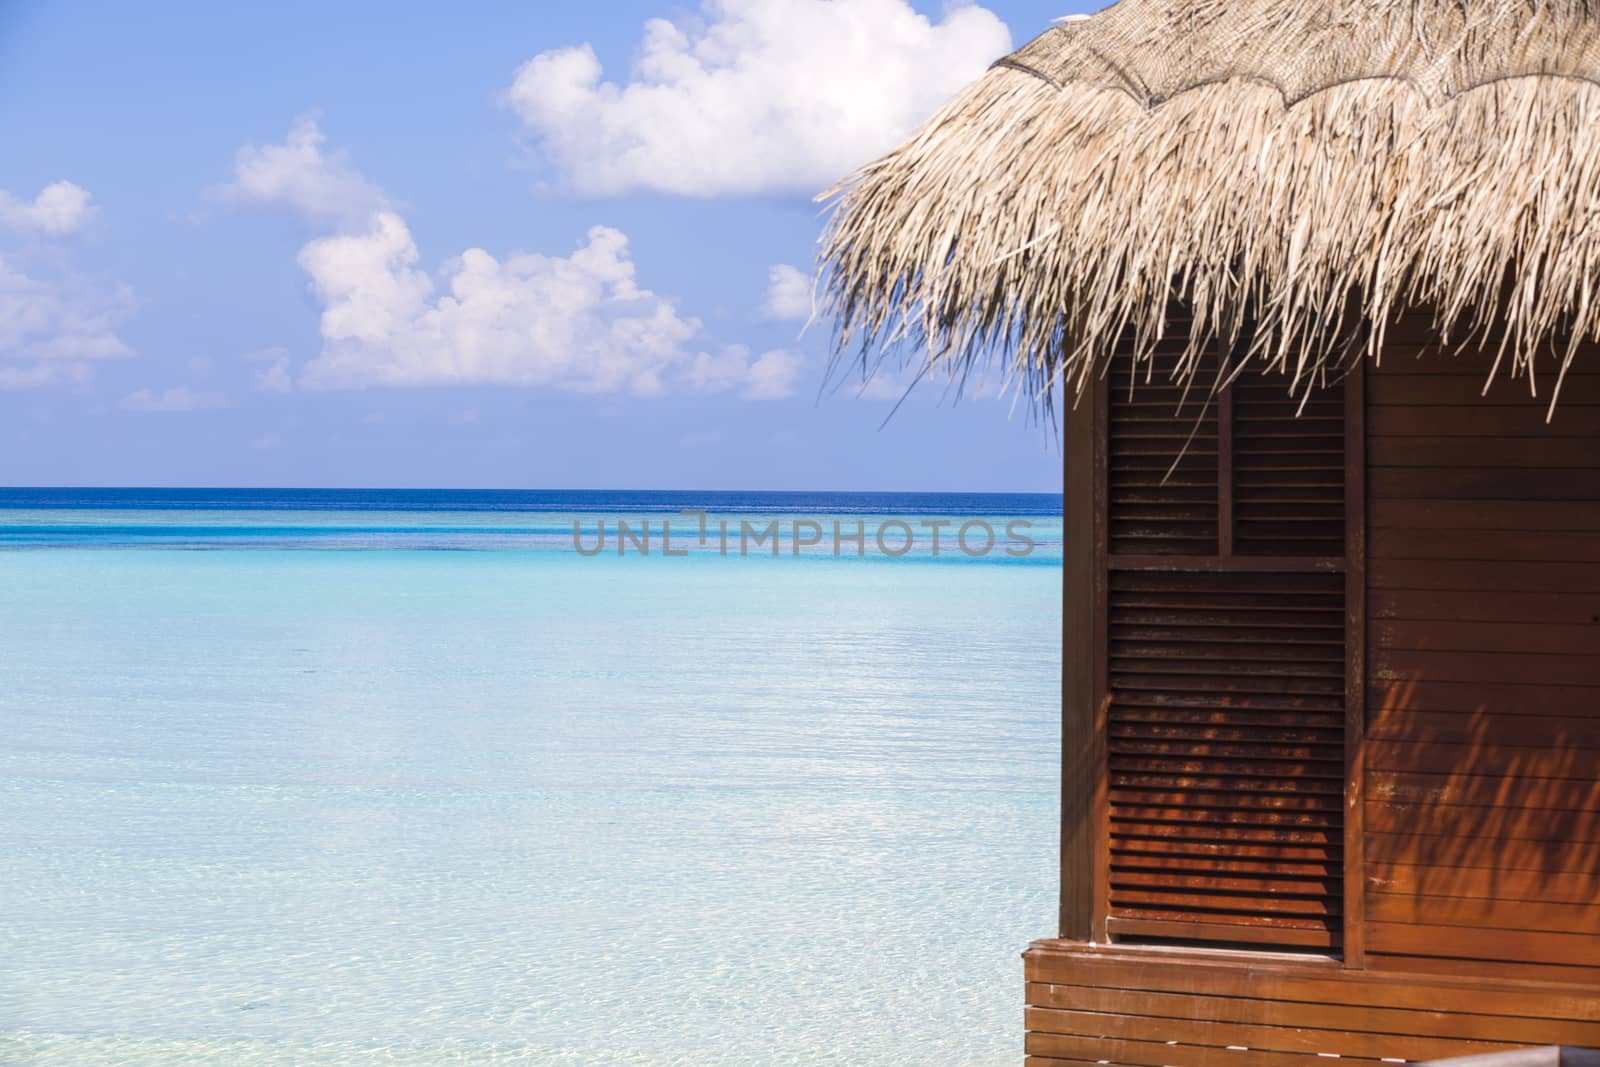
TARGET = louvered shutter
(1162,462)
(1226,663)
(1288,490)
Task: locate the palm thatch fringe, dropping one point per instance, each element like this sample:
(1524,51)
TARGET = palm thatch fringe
(1049,214)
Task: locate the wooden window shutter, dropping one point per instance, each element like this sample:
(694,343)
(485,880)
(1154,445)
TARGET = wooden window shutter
(1226,675)
(1288,482)
(1162,476)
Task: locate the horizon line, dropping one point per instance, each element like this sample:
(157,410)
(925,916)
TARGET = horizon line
(509,489)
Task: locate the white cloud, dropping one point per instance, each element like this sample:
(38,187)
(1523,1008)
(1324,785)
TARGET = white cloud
(59,208)
(788,293)
(771,376)
(54,324)
(173,398)
(754,96)
(579,322)
(53,328)
(300,176)
(273,374)
(30,375)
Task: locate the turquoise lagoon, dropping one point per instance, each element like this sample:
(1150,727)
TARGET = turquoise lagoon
(391,778)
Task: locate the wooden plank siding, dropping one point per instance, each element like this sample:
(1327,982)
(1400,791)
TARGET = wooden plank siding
(1482,754)
(1174,1008)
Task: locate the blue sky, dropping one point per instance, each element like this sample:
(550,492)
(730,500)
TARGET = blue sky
(489,245)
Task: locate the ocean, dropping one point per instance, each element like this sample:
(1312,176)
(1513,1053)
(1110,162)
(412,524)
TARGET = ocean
(401,777)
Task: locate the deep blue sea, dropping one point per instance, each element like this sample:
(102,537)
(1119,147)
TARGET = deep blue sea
(433,777)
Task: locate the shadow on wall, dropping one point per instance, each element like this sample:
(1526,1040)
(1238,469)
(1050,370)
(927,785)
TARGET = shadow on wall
(1483,710)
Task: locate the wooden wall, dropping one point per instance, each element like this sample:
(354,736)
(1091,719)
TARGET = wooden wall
(1471,841)
(1168,1008)
(1483,707)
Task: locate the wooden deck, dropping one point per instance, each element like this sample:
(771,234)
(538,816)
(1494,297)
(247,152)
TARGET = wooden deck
(1163,1007)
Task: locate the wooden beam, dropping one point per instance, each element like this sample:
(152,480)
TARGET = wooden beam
(1082,589)
(1100,787)
(1355,693)
(1228,565)
(1224,459)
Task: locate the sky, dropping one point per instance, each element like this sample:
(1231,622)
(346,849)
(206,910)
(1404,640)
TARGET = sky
(482,245)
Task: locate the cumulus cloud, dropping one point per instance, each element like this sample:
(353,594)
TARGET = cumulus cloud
(54,324)
(59,208)
(753,96)
(26,376)
(272,375)
(300,176)
(771,376)
(53,327)
(578,322)
(173,398)
(788,293)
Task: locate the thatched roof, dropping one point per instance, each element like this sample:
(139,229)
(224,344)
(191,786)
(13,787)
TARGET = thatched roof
(1312,165)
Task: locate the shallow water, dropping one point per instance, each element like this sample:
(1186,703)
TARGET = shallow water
(265,805)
